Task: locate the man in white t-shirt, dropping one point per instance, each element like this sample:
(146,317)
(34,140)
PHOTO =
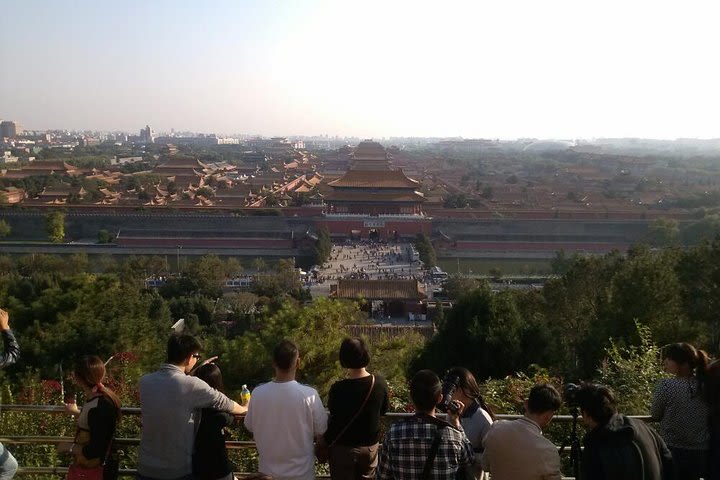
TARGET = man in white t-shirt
(285,417)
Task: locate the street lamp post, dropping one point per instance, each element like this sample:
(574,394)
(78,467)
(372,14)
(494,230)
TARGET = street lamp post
(178,258)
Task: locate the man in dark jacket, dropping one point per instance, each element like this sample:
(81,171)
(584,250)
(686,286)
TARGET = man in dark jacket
(618,447)
(10,354)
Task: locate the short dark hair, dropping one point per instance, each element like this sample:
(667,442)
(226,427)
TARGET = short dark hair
(181,346)
(543,398)
(424,389)
(354,353)
(597,401)
(285,353)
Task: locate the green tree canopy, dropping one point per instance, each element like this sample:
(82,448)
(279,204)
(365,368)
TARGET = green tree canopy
(323,246)
(5,229)
(483,332)
(55,226)
(456,286)
(209,274)
(664,232)
(425,250)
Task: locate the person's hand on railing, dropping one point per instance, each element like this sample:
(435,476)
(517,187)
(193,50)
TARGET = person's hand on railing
(65,448)
(239,410)
(72,409)
(4,320)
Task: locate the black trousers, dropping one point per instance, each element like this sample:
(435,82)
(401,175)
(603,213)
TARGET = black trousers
(353,463)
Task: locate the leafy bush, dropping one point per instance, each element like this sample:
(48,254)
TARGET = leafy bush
(632,372)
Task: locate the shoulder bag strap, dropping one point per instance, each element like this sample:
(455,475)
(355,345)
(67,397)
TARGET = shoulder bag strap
(433,453)
(367,397)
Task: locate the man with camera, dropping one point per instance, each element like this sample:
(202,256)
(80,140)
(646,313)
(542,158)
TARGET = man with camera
(517,450)
(424,447)
(618,447)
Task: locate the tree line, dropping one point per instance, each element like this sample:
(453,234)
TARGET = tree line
(602,318)
(60,308)
(568,325)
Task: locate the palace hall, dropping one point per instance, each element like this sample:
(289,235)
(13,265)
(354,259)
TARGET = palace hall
(373,199)
(371,186)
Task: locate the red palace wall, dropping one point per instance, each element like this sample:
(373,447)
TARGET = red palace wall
(266,243)
(595,247)
(385,228)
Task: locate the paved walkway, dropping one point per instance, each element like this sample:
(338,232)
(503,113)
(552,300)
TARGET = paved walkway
(368,261)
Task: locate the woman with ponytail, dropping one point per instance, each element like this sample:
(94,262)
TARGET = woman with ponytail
(96,422)
(476,416)
(679,404)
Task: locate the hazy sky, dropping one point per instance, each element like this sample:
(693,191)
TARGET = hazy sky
(493,69)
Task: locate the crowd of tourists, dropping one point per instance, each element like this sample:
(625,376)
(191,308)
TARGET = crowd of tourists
(184,414)
(369,260)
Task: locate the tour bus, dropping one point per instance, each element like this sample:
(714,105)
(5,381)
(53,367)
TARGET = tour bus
(437,274)
(243,281)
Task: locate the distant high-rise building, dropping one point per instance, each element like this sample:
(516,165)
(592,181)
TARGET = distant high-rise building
(147,135)
(9,129)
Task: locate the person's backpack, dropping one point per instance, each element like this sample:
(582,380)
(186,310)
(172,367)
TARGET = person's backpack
(463,472)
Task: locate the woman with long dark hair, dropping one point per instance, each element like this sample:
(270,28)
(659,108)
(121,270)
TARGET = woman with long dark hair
(97,420)
(476,416)
(210,459)
(679,404)
(356,405)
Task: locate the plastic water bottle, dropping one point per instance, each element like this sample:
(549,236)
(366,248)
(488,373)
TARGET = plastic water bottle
(244,395)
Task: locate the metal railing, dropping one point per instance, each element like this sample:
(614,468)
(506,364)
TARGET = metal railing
(134,442)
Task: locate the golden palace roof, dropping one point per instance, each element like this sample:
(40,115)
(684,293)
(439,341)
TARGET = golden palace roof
(370,149)
(180,163)
(378,289)
(348,196)
(375,179)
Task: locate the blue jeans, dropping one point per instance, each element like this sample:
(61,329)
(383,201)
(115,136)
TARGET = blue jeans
(8,464)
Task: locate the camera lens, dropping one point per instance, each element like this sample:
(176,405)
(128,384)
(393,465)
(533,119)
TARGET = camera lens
(449,387)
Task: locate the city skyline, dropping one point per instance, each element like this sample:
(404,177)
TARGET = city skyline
(468,69)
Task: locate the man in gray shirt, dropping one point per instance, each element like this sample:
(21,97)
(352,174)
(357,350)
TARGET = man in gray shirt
(170,403)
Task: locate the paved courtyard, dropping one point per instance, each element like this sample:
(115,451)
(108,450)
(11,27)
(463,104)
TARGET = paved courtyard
(369,261)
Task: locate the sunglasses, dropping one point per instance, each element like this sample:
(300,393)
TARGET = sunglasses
(196,356)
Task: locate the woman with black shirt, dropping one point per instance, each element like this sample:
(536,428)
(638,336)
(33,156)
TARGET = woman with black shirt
(210,459)
(96,421)
(356,405)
